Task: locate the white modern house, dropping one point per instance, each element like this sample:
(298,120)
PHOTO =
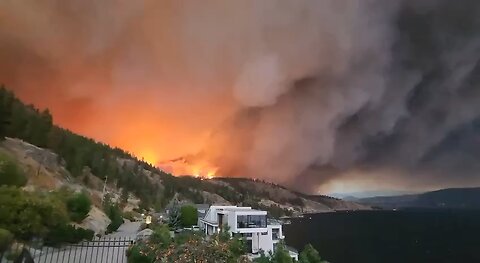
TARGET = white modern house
(246,222)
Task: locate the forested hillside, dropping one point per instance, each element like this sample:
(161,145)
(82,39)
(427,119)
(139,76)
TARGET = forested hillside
(77,152)
(82,156)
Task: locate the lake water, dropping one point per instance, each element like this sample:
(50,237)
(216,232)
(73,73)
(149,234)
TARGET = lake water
(390,236)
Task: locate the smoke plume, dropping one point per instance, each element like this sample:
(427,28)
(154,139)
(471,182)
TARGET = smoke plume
(306,93)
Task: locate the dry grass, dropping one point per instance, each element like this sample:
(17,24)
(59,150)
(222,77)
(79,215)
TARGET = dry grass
(96,199)
(43,181)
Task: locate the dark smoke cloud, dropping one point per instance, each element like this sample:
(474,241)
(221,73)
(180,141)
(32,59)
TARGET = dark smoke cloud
(305,93)
(408,107)
(431,105)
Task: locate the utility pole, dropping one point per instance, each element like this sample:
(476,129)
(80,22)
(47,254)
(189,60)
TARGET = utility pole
(104,189)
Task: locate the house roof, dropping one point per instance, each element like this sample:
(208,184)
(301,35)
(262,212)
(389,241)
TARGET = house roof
(291,249)
(213,223)
(242,209)
(272,221)
(202,206)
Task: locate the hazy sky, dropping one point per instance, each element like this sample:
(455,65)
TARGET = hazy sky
(321,95)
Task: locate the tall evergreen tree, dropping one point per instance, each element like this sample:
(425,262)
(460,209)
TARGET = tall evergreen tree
(3,122)
(6,102)
(310,255)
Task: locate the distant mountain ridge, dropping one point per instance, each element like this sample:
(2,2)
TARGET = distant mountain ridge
(369,194)
(451,198)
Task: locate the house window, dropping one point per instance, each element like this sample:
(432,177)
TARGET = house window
(275,234)
(251,221)
(264,233)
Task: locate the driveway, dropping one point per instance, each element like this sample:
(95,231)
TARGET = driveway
(126,230)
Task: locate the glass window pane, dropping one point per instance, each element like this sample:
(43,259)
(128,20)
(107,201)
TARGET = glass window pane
(251,221)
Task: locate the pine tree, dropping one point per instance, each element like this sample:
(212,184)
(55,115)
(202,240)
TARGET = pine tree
(174,214)
(56,139)
(3,122)
(310,255)
(6,100)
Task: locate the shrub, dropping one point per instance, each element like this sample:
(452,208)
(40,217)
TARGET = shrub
(186,236)
(14,252)
(161,236)
(189,246)
(188,215)
(280,255)
(78,205)
(262,259)
(6,239)
(131,215)
(28,215)
(310,255)
(10,173)
(67,234)
(115,214)
(135,255)
(237,247)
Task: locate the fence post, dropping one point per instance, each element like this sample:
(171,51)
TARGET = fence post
(45,255)
(102,253)
(74,253)
(96,253)
(63,254)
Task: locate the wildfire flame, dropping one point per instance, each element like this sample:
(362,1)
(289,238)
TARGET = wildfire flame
(187,166)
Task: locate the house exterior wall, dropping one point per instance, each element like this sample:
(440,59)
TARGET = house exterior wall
(277,229)
(232,222)
(213,211)
(265,241)
(262,238)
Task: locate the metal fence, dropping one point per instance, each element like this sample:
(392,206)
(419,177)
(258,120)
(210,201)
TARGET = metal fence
(103,250)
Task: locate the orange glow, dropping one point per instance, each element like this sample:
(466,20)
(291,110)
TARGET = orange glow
(149,156)
(140,78)
(134,88)
(186,166)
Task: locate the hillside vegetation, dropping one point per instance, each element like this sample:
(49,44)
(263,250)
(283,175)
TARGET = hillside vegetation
(53,157)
